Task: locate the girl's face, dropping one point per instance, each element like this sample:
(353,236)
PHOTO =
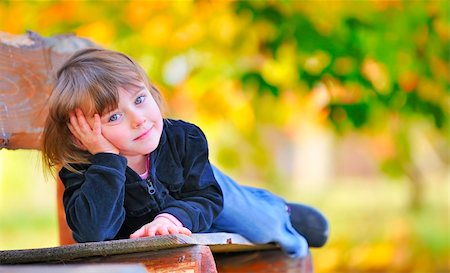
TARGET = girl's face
(136,125)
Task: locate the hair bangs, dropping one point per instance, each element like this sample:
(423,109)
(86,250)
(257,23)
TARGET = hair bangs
(105,83)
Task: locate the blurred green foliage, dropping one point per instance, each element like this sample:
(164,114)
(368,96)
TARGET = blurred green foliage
(252,73)
(378,66)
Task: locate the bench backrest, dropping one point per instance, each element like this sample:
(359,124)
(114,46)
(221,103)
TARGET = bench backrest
(28,64)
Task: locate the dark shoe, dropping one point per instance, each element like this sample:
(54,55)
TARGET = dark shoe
(310,223)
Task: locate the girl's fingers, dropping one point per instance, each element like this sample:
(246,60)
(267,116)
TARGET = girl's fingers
(74,122)
(179,230)
(144,231)
(184,231)
(71,129)
(76,137)
(172,230)
(149,231)
(74,129)
(89,133)
(162,230)
(97,127)
(82,126)
(82,121)
(78,127)
(138,233)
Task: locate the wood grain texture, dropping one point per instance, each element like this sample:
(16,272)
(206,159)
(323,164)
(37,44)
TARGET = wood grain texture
(228,242)
(169,253)
(75,268)
(28,64)
(193,259)
(267,261)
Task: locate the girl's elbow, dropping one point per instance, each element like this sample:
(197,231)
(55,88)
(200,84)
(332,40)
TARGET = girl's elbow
(94,231)
(92,235)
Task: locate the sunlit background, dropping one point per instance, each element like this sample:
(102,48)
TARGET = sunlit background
(343,105)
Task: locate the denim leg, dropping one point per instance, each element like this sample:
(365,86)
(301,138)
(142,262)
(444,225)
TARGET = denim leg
(258,215)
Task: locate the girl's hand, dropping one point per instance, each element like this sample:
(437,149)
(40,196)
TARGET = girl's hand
(159,226)
(87,137)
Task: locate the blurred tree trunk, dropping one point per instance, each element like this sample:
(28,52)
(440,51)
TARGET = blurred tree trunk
(417,180)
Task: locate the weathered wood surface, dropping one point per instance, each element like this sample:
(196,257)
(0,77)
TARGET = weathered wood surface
(169,253)
(27,65)
(75,268)
(219,242)
(196,258)
(267,261)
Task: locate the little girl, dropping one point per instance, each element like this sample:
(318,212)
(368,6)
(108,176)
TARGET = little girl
(129,173)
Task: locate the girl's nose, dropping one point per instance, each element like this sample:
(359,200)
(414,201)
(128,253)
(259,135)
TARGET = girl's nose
(137,120)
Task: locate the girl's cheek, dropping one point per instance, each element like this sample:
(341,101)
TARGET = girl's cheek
(111,134)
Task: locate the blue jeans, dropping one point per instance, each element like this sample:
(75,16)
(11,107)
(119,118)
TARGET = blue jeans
(258,215)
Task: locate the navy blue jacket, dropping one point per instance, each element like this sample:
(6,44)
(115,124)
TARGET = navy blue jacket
(108,200)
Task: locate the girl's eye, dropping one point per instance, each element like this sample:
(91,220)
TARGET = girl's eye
(140,99)
(114,117)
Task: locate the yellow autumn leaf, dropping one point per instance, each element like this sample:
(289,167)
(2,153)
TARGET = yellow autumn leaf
(317,62)
(60,12)
(343,65)
(282,71)
(12,18)
(186,36)
(431,91)
(157,30)
(377,74)
(224,28)
(101,32)
(138,12)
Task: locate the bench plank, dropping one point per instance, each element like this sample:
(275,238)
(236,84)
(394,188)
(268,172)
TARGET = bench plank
(97,268)
(267,261)
(197,258)
(219,242)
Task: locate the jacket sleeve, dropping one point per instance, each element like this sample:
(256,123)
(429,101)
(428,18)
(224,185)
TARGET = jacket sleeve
(94,198)
(199,199)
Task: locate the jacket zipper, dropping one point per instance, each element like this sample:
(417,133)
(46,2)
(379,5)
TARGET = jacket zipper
(152,190)
(150,187)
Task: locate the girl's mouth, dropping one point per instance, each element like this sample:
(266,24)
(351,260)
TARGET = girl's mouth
(144,135)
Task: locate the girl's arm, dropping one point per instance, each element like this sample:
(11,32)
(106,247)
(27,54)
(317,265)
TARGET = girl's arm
(94,199)
(198,202)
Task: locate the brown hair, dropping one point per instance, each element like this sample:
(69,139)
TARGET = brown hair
(88,80)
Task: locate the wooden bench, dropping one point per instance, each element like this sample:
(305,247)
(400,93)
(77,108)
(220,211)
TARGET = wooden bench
(169,253)
(27,63)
